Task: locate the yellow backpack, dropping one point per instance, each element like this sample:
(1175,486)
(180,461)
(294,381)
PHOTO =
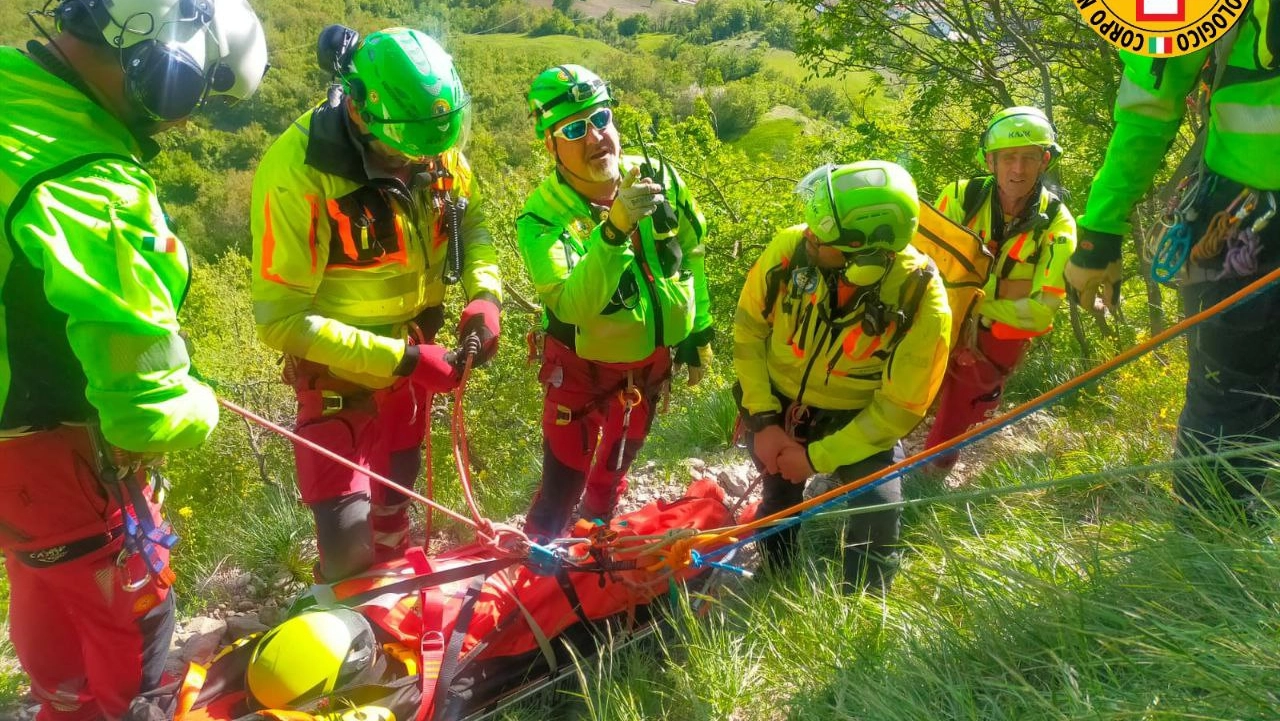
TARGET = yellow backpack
(963,261)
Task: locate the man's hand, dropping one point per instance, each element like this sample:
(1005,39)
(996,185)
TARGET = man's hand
(481,318)
(1095,288)
(637,197)
(435,370)
(793,464)
(769,443)
(1094,272)
(697,358)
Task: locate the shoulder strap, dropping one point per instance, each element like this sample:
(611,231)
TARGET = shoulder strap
(975,191)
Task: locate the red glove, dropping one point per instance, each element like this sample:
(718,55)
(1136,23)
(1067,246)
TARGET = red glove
(434,371)
(480,318)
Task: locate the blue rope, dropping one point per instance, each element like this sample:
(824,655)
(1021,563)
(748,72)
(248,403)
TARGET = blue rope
(984,432)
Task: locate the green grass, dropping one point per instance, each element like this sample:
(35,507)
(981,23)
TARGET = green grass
(771,137)
(788,65)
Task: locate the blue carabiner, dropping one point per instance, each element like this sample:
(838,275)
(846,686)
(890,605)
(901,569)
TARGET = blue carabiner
(1171,253)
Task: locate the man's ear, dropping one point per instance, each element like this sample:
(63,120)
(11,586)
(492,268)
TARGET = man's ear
(990,159)
(1044,162)
(549,142)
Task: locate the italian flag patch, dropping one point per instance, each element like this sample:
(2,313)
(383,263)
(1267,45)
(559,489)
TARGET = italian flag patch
(1160,45)
(167,244)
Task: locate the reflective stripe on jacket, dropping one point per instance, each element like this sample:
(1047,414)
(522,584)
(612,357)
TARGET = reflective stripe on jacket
(784,338)
(1026,285)
(1243,134)
(342,261)
(611,303)
(92,275)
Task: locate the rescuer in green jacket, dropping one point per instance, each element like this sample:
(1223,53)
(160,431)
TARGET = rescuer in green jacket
(95,381)
(615,250)
(1224,223)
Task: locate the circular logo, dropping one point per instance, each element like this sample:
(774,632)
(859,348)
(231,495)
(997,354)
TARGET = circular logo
(1161,28)
(441,107)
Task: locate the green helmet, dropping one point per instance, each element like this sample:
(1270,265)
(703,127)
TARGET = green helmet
(1018,127)
(408,92)
(309,656)
(868,205)
(562,91)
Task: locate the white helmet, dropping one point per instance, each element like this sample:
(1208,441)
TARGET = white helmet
(242,52)
(174,53)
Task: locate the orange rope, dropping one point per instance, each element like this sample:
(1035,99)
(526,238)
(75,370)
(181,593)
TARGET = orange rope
(726,535)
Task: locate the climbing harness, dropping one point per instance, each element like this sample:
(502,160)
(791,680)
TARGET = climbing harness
(143,537)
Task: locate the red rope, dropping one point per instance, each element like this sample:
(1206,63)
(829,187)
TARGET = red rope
(299,440)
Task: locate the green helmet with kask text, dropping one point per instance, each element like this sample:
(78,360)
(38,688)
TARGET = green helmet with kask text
(1019,127)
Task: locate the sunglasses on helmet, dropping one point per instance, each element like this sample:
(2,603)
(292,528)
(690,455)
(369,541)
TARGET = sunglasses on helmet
(577,130)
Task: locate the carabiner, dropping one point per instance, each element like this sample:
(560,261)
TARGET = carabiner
(122,562)
(1171,253)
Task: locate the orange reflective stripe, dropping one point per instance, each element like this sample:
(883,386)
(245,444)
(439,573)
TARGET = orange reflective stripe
(851,340)
(1016,251)
(1051,290)
(946,200)
(268,245)
(1004,331)
(192,683)
(344,229)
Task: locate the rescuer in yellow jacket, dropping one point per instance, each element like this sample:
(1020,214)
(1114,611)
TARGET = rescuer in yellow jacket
(364,210)
(1031,234)
(840,343)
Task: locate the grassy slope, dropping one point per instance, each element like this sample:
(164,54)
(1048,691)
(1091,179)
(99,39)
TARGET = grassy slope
(1067,603)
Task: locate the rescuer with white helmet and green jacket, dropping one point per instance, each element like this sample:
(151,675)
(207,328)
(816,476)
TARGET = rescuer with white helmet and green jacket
(1030,232)
(1222,227)
(96,383)
(840,344)
(615,250)
(364,210)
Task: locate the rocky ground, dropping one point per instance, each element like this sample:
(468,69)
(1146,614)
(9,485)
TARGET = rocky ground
(197,638)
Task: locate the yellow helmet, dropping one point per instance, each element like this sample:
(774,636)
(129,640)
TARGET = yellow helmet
(309,656)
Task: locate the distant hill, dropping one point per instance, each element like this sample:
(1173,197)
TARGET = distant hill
(621,8)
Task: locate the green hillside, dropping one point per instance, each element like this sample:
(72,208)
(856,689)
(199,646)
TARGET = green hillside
(1053,577)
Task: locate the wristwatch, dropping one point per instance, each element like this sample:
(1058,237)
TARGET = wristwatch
(756,422)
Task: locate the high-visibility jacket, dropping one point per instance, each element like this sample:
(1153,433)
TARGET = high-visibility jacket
(787,336)
(91,276)
(1026,283)
(344,260)
(1242,138)
(615,303)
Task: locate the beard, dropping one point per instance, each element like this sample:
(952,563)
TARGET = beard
(604,170)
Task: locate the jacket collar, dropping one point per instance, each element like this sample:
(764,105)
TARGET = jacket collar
(146,147)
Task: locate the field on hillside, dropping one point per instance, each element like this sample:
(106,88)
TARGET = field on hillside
(620,8)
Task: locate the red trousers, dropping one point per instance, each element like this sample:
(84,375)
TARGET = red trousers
(588,441)
(88,644)
(380,430)
(972,388)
